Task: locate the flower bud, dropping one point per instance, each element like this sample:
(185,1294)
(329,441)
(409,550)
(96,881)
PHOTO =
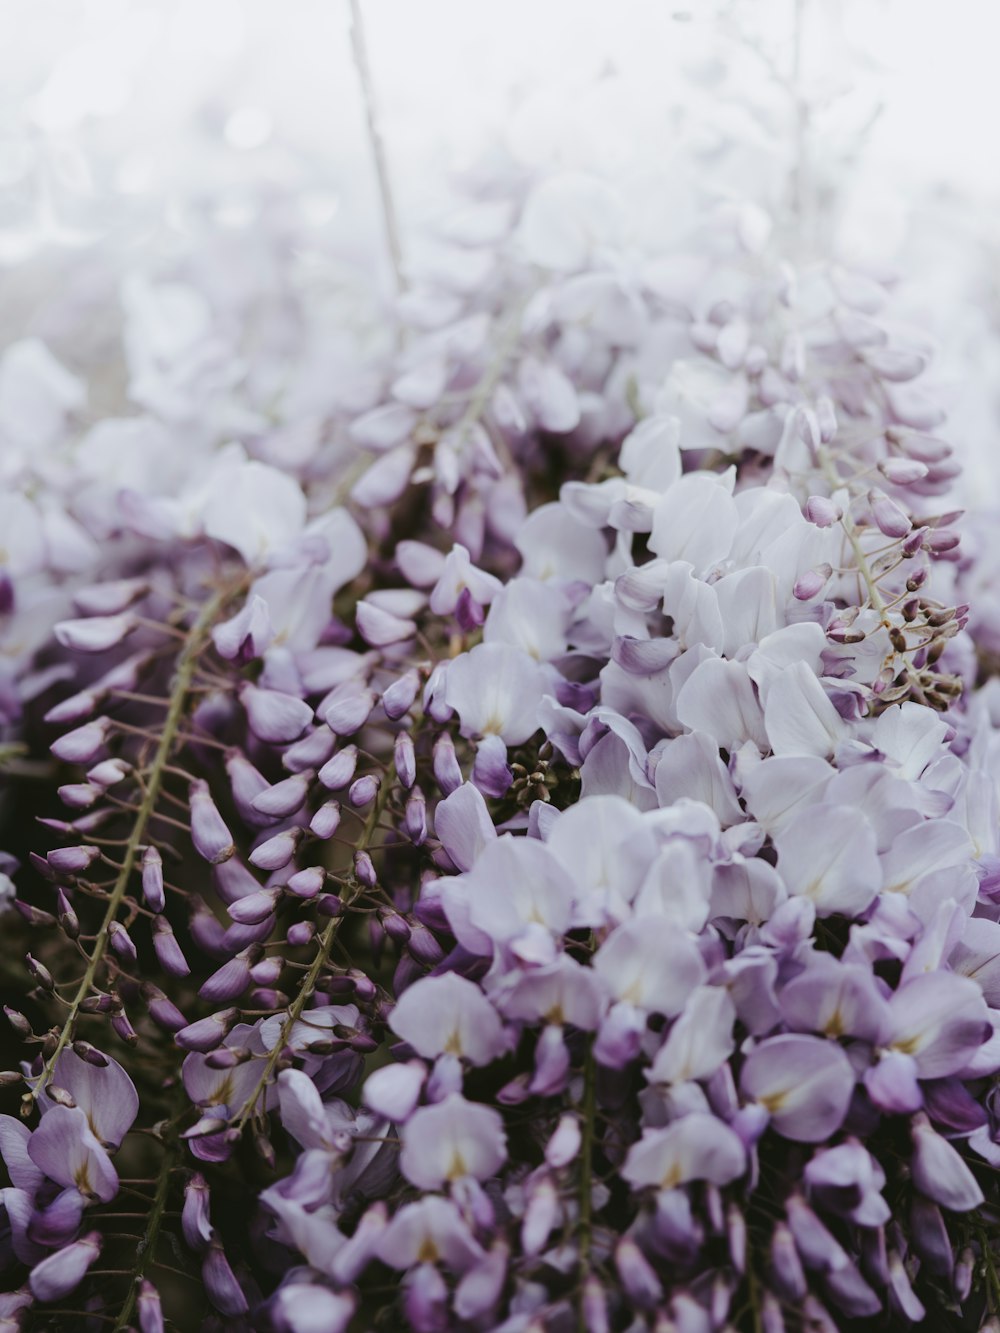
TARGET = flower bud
(965,1267)
(152,880)
(347,709)
(394,926)
(267,971)
(786,1272)
(326,820)
(229,981)
(67,917)
(109,772)
(207,1033)
(212,839)
(902,471)
(34,915)
(255,907)
(338,771)
(540,1216)
(18,1021)
(227,1057)
(941,541)
(447,773)
(72,860)
(58,1274)
(84,743)
(312,751)
(821,511)
(124,1029)
(194,1215)
(399,696)
(275,853)
(364,869)
(90,1054)
(300,933)
(148,1308)
(162,1011)
(641,1284)
(121,942)
(285,797)
(168,951)
(363,790)
(415,817)
(405,759)
(273,716)
(811,584)
(423,946)
(307,883)
(95,634)
(888,516)
(78,795)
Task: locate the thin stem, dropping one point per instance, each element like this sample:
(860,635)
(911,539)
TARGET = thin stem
(178,698)
(307,987)
(389,219)
(990,1269)
(146,1249)
(491,377)
(588,1108)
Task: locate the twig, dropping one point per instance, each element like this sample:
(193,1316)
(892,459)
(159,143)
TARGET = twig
(588,1108)
(194,643)
(389,218)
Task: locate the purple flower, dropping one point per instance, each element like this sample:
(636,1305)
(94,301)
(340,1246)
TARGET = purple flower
(274,716)
(62,1272)
(450,1141)
(804,1083)
(449,1015)
(696,1147)
(67,1150)
(210,836)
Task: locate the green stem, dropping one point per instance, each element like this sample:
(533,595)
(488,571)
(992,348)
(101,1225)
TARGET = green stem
(990,1269)
(196,640)
(588,1110)
(326,942)
(835,482)
(389,218)
(146,1250)
(753,1294)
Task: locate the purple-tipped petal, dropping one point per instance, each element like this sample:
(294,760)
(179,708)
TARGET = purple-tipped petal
(62,1272)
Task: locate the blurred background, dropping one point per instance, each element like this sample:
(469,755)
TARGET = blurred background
(137,130)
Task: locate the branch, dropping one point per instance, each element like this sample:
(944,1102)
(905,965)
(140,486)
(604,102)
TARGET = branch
(146,1249)
(389,219)
(308,986)
(196,640)
(588,1108)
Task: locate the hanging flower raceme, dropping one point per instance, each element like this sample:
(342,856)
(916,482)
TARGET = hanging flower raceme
(522,849)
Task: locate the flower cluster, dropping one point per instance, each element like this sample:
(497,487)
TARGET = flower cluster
(525,820)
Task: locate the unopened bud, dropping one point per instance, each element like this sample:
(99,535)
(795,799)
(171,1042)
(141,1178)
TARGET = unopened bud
(40,973)
(18,1022)
(34,915)
(405,759)
(889,518)
(364,869)
(821,511)
(902,471)
(124,1029)
(68,918)
(810,584)
(152,879)
(90,1054)
(121,941)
